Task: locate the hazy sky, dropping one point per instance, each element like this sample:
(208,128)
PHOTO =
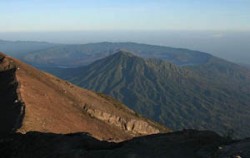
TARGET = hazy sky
(72,15)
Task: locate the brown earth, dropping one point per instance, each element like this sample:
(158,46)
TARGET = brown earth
(41,102)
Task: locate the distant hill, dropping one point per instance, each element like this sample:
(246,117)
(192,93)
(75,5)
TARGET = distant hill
(79,55)
(35,101)
(246,65)
(18,49)
(214,95)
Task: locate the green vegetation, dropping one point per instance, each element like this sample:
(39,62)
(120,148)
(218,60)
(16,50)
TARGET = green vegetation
(213,96)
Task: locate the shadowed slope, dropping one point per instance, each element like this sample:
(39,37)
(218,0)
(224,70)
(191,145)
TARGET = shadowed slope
(188,144)
(11,107)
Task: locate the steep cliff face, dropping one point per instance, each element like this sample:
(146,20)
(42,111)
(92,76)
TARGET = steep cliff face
(11,106)
(56,106)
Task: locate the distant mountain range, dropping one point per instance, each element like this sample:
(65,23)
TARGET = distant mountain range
(44,54)
(246,65)
(214,95)
(79,55)
(19,49)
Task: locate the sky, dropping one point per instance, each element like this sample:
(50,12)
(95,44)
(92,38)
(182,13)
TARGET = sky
(83,15)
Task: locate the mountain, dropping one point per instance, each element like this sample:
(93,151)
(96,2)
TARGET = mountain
(35,101)
(19,49)
(79,55)
(42,116)
(214,95)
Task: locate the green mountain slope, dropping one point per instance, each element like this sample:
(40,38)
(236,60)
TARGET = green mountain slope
(213,96)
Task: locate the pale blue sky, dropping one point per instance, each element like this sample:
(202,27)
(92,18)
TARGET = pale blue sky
(75,15)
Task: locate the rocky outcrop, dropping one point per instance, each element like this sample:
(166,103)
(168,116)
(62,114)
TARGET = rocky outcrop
(136,126)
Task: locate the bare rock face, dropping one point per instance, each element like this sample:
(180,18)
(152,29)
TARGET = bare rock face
(133,125)
(31,100)
(141,127)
